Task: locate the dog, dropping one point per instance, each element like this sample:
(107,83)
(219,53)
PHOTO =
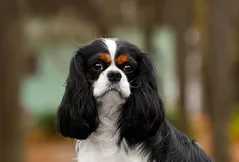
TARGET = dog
(112,107)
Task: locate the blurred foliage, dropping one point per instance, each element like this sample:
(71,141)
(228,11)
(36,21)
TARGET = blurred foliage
(234,124)
(174,118)
(46,122)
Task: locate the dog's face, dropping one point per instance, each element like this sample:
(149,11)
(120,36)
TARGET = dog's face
(106,65)
(111,66)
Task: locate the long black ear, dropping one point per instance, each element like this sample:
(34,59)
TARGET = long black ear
(143,112)
(77,115)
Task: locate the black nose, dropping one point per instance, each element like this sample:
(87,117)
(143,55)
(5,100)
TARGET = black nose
(114,76)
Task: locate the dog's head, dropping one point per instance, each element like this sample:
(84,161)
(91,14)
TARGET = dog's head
(102,66)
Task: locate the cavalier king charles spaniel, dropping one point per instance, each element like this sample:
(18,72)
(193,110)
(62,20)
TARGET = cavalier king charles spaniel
(112,107)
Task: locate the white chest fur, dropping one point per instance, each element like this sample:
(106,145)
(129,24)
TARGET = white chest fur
(101,146)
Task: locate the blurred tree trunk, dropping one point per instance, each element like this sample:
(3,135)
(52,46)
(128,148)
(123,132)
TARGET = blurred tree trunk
(147,12)
(236,81)
(236,74)
(182,24)
(206,94)
(181,72)
(202,24)
(103,30)
(234,52)
(98,18)
(219,78)
(148,39)
(10,69)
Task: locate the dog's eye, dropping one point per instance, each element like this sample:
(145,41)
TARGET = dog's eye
(97,67)
(128,69)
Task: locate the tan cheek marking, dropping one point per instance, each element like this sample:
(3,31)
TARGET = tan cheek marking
(122,59)
(105,57)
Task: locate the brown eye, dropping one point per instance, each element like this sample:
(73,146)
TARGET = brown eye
(128,69)
(97,67)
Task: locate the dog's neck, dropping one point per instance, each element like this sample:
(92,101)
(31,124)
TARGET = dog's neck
(108,111)
(109,105)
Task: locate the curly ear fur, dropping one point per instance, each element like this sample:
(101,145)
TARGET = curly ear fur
(143,112)
(77,115)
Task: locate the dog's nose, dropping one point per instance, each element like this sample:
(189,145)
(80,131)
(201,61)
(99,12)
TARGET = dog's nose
(114,76)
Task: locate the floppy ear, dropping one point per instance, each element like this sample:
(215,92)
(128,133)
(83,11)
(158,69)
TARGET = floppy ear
(77,114)
(143,112)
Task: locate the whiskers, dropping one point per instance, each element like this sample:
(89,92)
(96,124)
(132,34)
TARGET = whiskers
(136,86)
(134,80)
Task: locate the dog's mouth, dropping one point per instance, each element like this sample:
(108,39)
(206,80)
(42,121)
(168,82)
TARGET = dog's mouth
(112,88)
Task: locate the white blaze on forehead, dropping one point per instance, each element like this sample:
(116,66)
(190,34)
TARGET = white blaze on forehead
(112,47)
(101,86)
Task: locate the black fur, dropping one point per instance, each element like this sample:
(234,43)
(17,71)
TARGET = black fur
(143,123)
(77,115)
(142,120)
(143,111)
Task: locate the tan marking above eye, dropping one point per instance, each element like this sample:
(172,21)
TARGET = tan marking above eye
(105,57)
(122,59)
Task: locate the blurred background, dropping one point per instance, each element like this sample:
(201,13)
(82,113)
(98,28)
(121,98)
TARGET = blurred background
(195,44)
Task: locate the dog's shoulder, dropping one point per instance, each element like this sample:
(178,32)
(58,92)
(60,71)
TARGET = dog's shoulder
(173,146)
